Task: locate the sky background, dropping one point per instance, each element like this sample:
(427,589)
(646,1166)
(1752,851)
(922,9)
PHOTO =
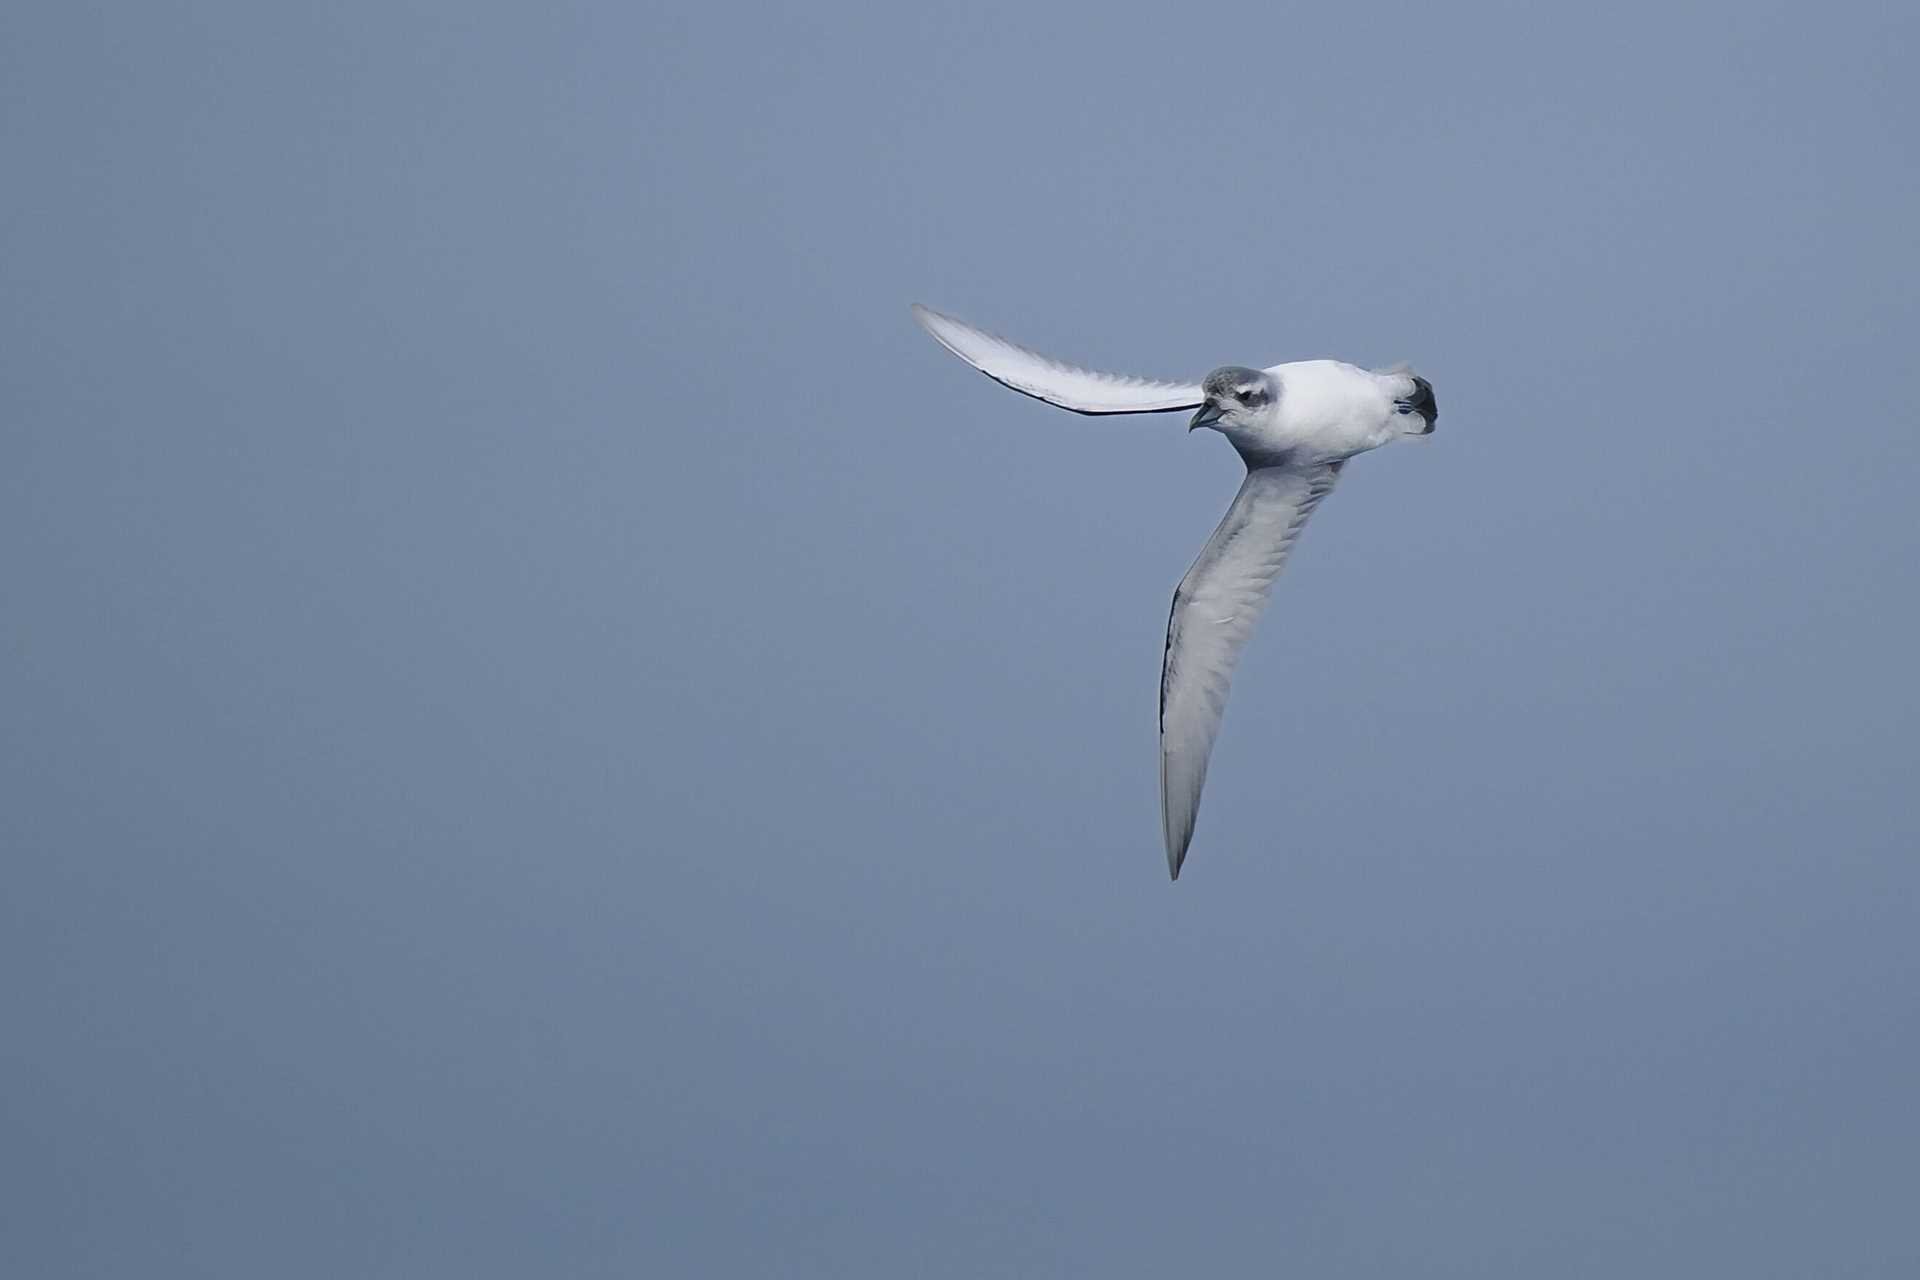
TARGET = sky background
(545,729)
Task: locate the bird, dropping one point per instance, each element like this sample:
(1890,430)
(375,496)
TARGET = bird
(1295,425)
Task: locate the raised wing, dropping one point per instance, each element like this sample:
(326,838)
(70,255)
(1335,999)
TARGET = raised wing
(1055,381)
(1214,610)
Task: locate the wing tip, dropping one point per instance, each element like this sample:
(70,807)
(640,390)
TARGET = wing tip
(946,330)
(1176,853)
(1178,842)
(929,319)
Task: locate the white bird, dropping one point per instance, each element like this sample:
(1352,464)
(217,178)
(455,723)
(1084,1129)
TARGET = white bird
(1295,425)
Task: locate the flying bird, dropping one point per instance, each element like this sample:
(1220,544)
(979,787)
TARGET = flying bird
(1295,425)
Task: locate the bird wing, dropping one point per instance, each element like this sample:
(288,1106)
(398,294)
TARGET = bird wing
(1214,609)
(1055,381)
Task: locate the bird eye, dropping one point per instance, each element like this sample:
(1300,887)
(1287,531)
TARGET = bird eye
(1401,406)
(1248,394)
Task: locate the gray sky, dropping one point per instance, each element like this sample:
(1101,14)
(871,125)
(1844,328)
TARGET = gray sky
(549,731)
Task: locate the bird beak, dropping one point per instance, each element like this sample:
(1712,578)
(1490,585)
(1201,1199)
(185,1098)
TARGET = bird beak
(1208,415)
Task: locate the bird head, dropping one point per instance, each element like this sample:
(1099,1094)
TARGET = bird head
(1236,397)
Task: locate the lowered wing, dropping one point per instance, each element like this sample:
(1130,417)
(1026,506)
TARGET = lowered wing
(1214,610)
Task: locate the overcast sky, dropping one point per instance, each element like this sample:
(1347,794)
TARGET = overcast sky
(546,730)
